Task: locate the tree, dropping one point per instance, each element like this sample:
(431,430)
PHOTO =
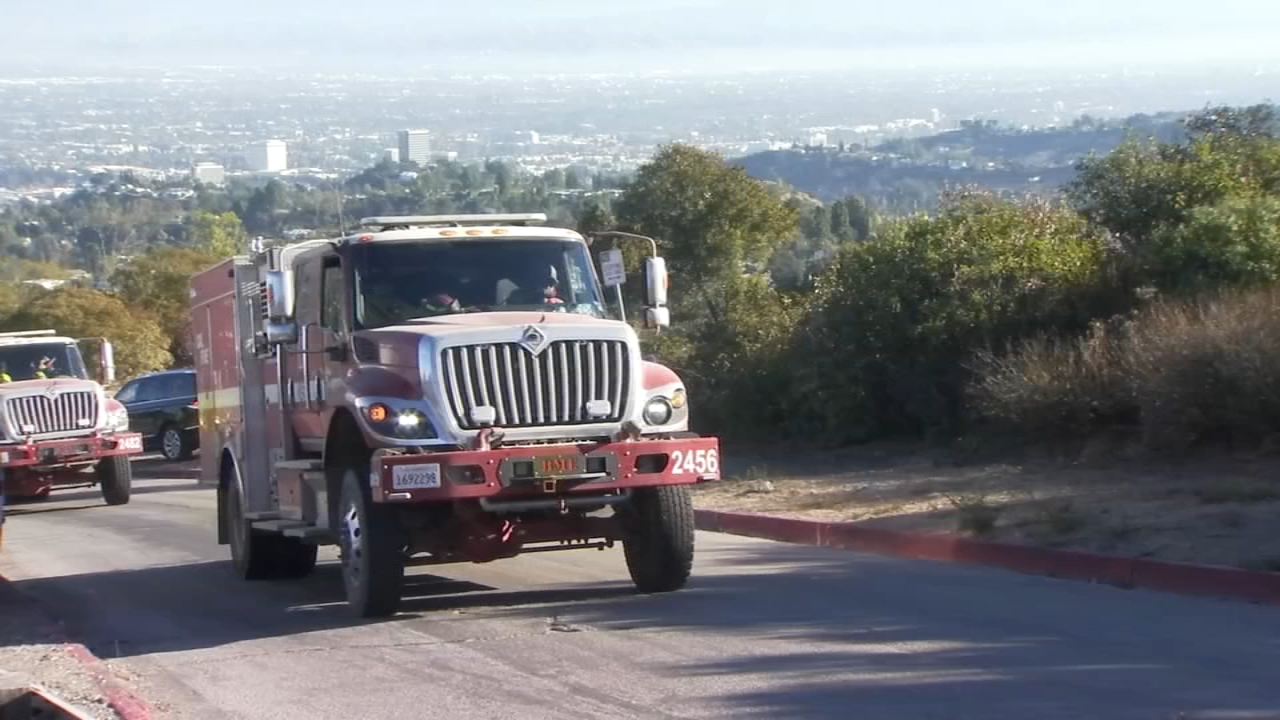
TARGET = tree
(158,283)
(712,221)
(140,344)
(218,233)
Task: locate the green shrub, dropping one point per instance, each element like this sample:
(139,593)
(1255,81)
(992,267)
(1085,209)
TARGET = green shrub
(883,351)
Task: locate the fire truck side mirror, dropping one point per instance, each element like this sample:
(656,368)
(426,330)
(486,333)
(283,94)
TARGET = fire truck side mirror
(279,296)
(280,327)
(655,281)
(107,363)
(657,314)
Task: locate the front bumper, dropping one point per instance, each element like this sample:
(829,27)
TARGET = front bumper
(544,471)
(69,451)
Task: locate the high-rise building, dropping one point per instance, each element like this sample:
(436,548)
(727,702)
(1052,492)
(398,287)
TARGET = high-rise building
(269,156)
(415,146)
(208,173)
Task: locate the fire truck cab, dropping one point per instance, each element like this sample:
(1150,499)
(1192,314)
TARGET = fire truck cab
(438,389)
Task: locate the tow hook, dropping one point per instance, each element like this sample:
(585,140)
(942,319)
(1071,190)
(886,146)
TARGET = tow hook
(563,506)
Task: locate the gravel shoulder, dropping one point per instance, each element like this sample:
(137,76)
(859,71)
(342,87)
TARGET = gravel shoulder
(31,653)
(1217,510)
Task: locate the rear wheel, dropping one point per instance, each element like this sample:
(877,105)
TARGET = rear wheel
(372,546)
(657,539)
(264,556)
(175,444)
(115,476)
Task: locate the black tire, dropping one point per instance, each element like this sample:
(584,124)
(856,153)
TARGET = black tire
(658,536)
(372,546)
(257,555)
(115,477)
(176,444)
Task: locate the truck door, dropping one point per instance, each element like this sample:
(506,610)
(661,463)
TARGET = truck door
(331,366)
(307,361)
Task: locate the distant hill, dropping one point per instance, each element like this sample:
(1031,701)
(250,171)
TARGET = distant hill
(907,174)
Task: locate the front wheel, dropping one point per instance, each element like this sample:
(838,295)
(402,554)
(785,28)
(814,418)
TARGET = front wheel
(372,546)
(657,539)
(115,476)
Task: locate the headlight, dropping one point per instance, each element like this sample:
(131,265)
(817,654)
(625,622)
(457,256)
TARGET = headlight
(658,411)
(408,424)
(117,420)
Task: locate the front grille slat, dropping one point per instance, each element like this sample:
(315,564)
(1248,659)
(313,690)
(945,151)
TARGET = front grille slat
(67,412)
(547,389)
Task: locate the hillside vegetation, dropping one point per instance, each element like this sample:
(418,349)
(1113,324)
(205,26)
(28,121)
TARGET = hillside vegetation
(1140,296)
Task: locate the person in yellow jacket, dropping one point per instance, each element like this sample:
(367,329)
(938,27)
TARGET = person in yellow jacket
(4,374)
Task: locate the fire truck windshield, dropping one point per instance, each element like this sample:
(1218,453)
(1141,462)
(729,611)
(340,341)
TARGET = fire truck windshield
(399,281)
(34,361)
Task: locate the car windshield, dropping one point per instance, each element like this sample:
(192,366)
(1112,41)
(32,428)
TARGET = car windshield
(399,281)
(40,360)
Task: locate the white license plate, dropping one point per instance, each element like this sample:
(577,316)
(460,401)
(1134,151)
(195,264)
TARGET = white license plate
(415,477)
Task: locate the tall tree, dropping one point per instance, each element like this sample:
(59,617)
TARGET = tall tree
(140,344)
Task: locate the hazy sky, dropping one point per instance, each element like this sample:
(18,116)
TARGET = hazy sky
(611,35)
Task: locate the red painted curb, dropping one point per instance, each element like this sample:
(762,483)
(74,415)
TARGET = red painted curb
(119,698)
(1125,572)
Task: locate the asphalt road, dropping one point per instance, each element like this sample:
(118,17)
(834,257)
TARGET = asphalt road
(763,630)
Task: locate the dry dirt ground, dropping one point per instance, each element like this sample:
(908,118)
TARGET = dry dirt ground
(1215,509)
(31,654)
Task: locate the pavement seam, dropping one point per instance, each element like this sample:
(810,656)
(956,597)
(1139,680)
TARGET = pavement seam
(121,699)
(1119,571)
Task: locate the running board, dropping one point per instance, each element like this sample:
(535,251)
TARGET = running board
(308,533)
(279,525)
(300,465)
(262,515)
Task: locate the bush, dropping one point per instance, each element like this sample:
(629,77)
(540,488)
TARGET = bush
(1207,370)
(1052,386)
(894,320)
(1190,372)
(1235,242)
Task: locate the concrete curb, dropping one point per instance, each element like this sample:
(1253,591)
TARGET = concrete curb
(119,698)
(1123,572)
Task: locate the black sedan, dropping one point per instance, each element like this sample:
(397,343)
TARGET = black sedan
(163,407)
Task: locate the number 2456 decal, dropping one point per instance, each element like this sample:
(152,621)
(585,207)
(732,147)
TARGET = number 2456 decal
(695,462)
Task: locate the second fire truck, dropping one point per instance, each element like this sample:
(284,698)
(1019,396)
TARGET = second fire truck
(438,389)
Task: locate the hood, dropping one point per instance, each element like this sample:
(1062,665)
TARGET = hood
(444,325)
(33,387)
(398,345)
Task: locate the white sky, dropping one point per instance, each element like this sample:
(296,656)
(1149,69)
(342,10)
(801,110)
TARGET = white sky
(563,35)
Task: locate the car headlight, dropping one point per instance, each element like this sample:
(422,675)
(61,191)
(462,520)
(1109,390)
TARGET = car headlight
(407,424)
(658,411)
(117,420)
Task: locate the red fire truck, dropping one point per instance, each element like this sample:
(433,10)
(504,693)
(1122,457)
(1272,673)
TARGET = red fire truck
(438,389)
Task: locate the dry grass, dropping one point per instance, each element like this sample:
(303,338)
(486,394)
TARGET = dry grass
(1186,373)
(1215,510)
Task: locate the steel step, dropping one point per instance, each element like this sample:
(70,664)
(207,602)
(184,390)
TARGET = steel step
(279,525)
(262,515)
(309,532)
(303,465)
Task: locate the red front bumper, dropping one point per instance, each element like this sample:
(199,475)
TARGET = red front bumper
(69,451)
(546,470)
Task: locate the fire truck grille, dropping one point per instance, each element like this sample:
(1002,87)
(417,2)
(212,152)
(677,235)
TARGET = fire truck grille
(528,390)
(42,415)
